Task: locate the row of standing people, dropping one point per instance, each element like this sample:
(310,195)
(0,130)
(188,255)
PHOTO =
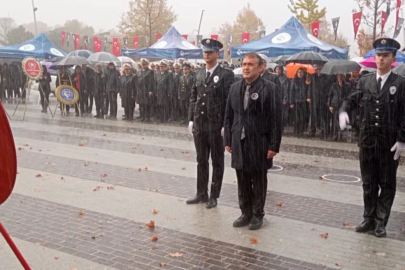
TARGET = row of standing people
(12,82)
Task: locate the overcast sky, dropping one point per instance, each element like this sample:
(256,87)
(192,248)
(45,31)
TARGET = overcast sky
(105,14)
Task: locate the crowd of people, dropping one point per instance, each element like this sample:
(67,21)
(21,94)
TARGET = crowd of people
(12,81)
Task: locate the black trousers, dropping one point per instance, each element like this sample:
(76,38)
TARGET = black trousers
(2,94)
(300,112)
(99,100)
(163,112)
(252,192)
(378,172)
(207,143)
(335,122)
(66,106)
(112,101)
(82,103)
(144,110)
(183,109)
(44,99)
(9,93)
(89,102)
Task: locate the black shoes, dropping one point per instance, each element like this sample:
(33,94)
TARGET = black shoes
(196,199)
(366,226)
(242,221)
(380,231)
(212,202)
(255,223)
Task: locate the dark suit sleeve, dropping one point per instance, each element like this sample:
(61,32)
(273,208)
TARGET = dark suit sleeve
(193,100)
(292,93)
(353,100)
(401,128)
(228,81)
(228,121)
(275,119)
(134,86)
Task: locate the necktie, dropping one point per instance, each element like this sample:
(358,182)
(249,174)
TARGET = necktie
(245,105)
(379,85)
(207,77)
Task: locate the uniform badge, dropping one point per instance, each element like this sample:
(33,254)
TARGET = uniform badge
(216,79)
(383,42)
(208,41)
(255,96)
(393,89)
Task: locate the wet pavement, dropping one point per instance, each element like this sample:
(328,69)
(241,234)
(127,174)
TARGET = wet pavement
(86,188)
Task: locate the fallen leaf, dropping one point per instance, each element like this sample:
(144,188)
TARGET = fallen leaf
(154,212)
(320,178)
(313,229)
(104,175)
(379,253)
(146,168)
(177,254)
(161,149)
(38,175)
(338,264)
(81,213)
(19,148)
(104,134)
(279,204)
(162,264)
(324,235)
(183,168)
(56,257)
(254,240)
(139,170)
(154,238)
(97,188)
(62,178)
(151,224)
(86,163)
(316,160)
(81,144)
(110,188)
(93,237)
(346,224)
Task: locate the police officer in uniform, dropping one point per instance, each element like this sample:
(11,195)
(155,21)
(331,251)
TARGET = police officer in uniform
(206,118)
(186,82)
(146,86)
(382,135)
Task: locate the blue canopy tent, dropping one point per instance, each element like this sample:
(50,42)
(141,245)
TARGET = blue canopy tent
(290,39)
(171,45)
(400,55)
(39,47)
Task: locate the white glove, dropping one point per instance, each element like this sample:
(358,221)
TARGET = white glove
(398,147)
(343,120)
(190,128)
(222,132)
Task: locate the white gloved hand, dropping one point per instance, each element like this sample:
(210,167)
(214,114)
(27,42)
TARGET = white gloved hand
(190,128)
(343,120)
(222,132)
(398,147)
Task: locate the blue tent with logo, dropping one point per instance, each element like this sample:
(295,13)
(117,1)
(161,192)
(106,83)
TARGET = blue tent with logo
(171,45)
(290,39)
(400,55)
(39,47)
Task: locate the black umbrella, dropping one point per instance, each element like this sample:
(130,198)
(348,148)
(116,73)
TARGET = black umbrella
(307,58)
(70,62)
(281,59)
(82,53)
(400,69)
(340,67)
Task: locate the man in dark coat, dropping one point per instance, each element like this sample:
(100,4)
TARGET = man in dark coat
(89,86)
(338,92)
(112,89)
(174,109)
(163,91)
(382,135)
(354,116)
(253,128)
(63,79)
(186,82)
(99,91)
(284,84)
(128,92)
(206,118)
(146,82)
(79,83)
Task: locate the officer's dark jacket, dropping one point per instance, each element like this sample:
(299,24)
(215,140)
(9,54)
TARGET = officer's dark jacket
(382,113)
(208,99)
(185,85)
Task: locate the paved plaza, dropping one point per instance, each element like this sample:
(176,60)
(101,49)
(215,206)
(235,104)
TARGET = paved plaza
(87,189)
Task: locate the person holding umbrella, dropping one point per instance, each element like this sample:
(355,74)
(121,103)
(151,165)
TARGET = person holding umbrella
(284,84)
(112,89)
(298,98)
(100,94)
(382,135)
(338,92)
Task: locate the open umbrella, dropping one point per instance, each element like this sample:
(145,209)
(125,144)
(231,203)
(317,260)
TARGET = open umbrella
(400,69)
(340,67)
(103,57)
(281,59)
(70,62)
(82,53)
(370,63)
(307,58)
(293,67)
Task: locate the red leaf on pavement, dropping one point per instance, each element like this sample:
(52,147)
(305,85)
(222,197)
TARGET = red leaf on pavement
(38,175)
(154,238)
(320,178)
(162,264)
(279,204)
(154,212)
(324,235)
(110,188)
(146,168)
(183,168)
(313,229)
(254,240)
(151,224)
(81,144)
(104,134)
(104,175)
(338,264)
(346,224)
(140,169)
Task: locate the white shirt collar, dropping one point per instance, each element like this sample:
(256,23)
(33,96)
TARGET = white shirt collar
(211,70)
(383,77)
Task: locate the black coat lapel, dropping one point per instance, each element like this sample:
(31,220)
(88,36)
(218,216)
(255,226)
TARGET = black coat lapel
(387,83)
(215,73)
(255,92)
(373,85)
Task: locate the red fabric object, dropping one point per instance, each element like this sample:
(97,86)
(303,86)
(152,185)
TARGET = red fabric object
(158,36)
(63,37)
(315,29)
(136,42)
(356,22)
(185,36)
(77,81)
(383,20)
(245,38)
(77,41)
(214,37)
(97,44)
(116,47)
(193,43)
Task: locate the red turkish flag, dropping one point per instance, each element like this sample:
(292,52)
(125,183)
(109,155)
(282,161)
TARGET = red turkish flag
(63,38)
(116,47)
(245,38)
(77,41)
(315,29)
(398,7)
(97,44)
(193,43)
(185,36)
(214,37)
(158,36)
(356,22)
(383,20)
(136,42)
